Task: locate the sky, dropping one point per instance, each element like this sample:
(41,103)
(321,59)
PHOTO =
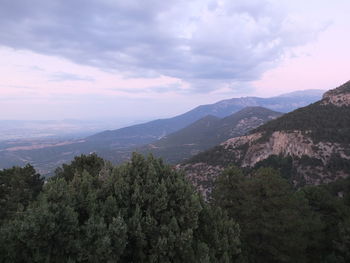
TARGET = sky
(144,59)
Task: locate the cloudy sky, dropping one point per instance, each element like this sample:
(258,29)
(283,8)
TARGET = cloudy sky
(141,59)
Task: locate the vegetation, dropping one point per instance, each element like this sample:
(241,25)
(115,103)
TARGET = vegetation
(208,132)
(18,187)
(218,155)
(145,211)
(284,165)
(142,211)
(322,122)
(91,164)
(279,224)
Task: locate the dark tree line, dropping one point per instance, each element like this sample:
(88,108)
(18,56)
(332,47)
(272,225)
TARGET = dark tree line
(281,224)
(145,211)
(142,211)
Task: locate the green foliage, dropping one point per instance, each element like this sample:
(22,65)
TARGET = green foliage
(332,241)
(284,165)
(46,232)
(341,188)
(337,163)
(279,224)
(142,211)
(218,155)
(18,187)
(273,219)
(90,163)
(322,122)
(289,166)
(163,214)
(145,211)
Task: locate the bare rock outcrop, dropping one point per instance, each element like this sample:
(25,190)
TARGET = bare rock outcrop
(253,148)
(338,97)
(295,143)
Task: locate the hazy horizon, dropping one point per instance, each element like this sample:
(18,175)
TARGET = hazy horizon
(135,61)
(135,120)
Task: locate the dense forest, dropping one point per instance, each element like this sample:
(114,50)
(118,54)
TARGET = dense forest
(321,122)
(90,211)
(145,211)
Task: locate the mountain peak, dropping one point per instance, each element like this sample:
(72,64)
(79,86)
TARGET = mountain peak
(339,96)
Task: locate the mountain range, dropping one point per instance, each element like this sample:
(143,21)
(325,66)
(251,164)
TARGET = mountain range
(154,130)
(311,145)
(206,133)
(116,144)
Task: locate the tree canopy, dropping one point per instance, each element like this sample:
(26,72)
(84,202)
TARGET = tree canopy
(281,224)
(142,211)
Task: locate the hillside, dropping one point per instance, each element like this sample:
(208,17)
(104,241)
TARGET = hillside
(313,142)
(154,130)
(208,132)
(116,144)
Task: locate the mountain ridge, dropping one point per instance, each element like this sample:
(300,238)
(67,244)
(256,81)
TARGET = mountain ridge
(157,129)
(207,132)
(116,141)
(316,137)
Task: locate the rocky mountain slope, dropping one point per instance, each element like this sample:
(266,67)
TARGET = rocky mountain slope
(312,142)
(206,133)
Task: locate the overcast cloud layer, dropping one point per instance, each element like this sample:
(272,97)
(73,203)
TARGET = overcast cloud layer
(223,41)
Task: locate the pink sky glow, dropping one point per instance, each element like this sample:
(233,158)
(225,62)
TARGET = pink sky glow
(39,85)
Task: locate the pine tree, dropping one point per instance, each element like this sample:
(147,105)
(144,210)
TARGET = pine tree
(142,211)
(272,218)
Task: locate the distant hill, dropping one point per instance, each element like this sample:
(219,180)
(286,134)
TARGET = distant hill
(311,145)
(118,142)
(208,132)
(154,130)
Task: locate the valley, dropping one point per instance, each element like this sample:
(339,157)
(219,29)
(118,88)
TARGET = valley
(46,153)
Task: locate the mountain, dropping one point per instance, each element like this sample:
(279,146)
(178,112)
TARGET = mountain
(154,130)
(310,145)
(208,132)
(46,157)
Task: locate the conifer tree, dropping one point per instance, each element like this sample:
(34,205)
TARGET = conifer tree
(142,211)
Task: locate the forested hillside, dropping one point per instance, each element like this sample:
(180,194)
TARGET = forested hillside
(144,211)
(206,133)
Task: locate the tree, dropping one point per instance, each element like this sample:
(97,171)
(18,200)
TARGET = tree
(18,187)
(164,215)
(332,242)
(90,163)
(272,218)
(46,232)
(142,211)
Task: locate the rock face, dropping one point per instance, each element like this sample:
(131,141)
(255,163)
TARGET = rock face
(281,143)
(338,97)
(284,144)
(248,151)
(315,138)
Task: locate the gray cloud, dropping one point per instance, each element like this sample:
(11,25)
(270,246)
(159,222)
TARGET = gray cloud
(155,89)
(199,41)
(63,76)
(173,87)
